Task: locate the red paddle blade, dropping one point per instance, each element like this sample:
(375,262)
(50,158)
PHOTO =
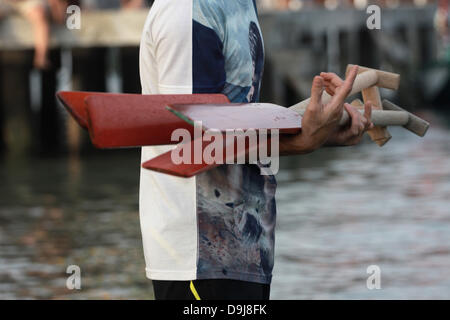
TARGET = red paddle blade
(75,104)
(225,117)
(73,101)
(164,163)
(118,120)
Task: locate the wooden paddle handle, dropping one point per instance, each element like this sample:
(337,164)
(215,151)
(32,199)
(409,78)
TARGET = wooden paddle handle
(386,79)
(379,117)
(393,115)
(415,124)
(379,134)
(382,118)
(362,81)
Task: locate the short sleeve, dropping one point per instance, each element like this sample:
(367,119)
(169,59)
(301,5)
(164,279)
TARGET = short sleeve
(187,46)
(170,34)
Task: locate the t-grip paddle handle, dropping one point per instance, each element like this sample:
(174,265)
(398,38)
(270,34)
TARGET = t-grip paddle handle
(379,134)
(385,118)
(393,115)
(414,124)
(363,81)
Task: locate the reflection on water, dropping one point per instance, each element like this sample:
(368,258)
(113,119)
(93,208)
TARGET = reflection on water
(343,210)
(55,213)
(339,211)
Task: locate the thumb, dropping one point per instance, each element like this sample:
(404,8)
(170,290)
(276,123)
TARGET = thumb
(316,91)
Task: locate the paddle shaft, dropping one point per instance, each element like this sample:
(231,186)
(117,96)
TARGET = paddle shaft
(379,117)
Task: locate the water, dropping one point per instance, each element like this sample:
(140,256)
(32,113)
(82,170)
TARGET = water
(55,213)
(340,210)
(366,206)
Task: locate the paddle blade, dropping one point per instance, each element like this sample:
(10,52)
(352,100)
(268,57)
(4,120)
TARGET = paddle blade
(165,163)
(73,101)
(138,120)
(225,117)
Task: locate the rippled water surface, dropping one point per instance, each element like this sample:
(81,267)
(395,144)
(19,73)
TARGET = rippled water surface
(340,211)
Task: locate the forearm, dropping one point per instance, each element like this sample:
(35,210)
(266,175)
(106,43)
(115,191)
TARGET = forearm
(290,146)
(308,140)
(296,144)
(283,145)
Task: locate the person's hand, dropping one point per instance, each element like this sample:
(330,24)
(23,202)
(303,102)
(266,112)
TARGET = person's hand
(320,121)
(353,133)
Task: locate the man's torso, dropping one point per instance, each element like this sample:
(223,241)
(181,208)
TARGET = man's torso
(219,224)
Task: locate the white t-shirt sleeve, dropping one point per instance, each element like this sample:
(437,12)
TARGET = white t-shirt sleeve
(169,40)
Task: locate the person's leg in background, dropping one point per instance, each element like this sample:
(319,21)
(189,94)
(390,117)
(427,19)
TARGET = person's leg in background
(34,12)
(58,9)
(132,4)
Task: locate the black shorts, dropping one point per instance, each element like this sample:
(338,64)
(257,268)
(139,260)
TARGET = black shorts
(220,289)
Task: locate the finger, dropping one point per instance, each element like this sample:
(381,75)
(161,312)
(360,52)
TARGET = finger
(362,128)
(350,79)
(328,75)
(343,90)
(356,127)
(330,90)
(330,85)
(316,91)
(352,111)
(364,121)
(332,78)
(336,105)
(337,81)
(325,75)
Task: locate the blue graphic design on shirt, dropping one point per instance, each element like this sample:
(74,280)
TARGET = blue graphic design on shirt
(235,203)
(207,77)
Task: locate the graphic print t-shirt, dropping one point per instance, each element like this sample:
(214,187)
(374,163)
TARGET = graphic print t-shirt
(219,224)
